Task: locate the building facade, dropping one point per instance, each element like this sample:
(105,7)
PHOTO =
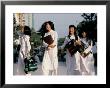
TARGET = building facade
(24,19)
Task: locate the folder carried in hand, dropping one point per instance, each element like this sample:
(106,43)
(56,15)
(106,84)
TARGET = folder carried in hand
(48,39)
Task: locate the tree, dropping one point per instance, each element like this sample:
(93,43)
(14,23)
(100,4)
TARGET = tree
(89,24)
(35,38)
(61,41)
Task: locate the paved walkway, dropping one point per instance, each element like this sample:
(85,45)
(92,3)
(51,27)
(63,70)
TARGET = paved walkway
(61,69)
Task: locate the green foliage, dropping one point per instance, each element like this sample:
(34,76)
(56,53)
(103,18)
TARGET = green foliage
(35,38)
(61,41)
(61,52)
(89,24)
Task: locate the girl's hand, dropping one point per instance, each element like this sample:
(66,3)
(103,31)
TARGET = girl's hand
(83,55)
(52,46)
(48,48)
(77,43)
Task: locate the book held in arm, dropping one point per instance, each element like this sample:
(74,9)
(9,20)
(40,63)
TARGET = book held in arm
(48,39)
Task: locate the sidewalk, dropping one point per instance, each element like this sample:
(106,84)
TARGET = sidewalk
(61,69)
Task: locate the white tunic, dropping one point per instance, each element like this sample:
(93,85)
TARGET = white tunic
(25,49)
(87,63)
(72,62)
(50,59)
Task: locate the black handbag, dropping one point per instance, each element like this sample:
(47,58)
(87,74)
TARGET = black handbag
(30,65)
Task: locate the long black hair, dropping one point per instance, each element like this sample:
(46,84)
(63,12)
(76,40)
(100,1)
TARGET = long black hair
(88,39)
(43,27)
(75,32)
(27,30)
(87,34)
